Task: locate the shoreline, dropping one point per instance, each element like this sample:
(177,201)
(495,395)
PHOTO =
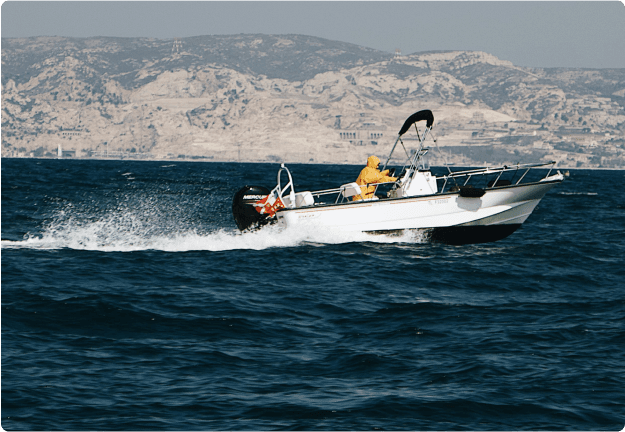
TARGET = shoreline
(286,162)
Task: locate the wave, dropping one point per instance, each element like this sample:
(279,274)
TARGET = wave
(578,193)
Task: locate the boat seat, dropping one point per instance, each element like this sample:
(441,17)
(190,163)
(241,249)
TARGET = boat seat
(350,189)
(302,199)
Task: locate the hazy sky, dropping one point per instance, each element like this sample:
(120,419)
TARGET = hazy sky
(533,33)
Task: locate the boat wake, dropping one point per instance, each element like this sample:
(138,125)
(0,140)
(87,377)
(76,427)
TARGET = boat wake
(109,236)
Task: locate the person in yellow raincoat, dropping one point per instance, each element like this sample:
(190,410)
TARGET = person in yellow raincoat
(371,174)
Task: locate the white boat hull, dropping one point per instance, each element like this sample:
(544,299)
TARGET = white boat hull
(449,215)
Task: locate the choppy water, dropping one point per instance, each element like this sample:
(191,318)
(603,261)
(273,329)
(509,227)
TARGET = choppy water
(130,302)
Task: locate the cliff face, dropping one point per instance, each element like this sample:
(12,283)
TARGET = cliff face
(297,98)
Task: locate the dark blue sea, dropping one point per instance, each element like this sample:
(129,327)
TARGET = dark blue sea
(131,302)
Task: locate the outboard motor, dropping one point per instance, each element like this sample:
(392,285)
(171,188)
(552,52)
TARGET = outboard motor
(245,214)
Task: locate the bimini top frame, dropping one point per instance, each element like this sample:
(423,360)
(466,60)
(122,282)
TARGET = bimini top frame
(424,115)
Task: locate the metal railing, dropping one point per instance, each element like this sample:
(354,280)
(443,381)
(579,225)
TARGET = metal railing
(453,176)
(492,171)
(339,191)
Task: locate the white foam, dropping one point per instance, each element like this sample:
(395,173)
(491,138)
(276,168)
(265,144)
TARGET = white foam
(579,193)
(97,236)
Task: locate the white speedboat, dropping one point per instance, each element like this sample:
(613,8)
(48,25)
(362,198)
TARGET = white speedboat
(470,206)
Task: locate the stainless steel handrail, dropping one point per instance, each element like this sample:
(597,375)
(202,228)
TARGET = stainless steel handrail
(495,170)
(444,178)
(341,189)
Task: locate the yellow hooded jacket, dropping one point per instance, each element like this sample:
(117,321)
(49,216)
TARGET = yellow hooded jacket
(371,174)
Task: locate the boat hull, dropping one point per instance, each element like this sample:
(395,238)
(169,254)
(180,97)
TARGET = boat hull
(450,217)
(460,235)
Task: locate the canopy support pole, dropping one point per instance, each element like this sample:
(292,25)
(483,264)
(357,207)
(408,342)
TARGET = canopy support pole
(391,153)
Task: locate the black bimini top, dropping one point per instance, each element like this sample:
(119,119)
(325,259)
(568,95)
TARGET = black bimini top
(418,116)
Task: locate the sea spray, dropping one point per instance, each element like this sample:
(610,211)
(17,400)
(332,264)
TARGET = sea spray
(129,234)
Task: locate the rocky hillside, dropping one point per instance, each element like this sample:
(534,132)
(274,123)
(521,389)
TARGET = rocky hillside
(297,98)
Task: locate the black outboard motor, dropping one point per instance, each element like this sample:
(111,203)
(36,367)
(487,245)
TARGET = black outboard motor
(245,214)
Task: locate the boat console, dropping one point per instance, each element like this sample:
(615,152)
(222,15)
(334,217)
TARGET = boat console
(414,183)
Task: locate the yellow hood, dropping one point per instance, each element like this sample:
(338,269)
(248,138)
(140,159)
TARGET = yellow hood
(373,161)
